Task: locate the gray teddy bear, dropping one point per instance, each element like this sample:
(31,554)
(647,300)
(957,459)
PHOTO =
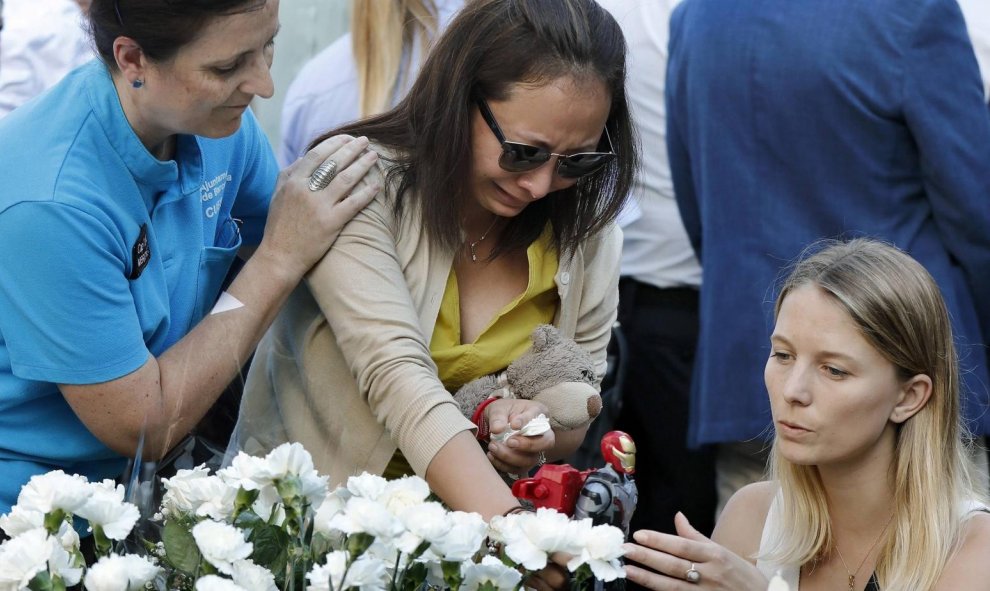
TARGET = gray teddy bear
(555,371)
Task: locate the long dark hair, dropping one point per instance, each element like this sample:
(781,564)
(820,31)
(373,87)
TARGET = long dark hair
(160,27)
(491,45)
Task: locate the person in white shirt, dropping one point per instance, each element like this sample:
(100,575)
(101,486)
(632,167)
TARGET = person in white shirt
(977,15)
(42,41)
(658,301)
(364,72)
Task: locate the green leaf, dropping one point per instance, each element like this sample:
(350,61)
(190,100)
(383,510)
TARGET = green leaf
(271,547)
(180,548)
(44,581)
(248,520)
(413,576)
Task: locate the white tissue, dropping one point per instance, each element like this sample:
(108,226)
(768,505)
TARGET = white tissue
(534,428)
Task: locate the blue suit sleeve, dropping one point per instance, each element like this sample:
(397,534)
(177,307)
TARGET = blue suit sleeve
(67,313)
(677,151)
(945,110)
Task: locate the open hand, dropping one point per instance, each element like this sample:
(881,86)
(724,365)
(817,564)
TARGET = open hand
(662,562)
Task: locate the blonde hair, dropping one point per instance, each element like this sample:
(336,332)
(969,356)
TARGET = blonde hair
(900,311)
(381,31)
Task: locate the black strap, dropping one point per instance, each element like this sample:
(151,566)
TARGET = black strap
(872,585)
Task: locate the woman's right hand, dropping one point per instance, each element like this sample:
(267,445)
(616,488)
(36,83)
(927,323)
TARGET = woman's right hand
(519,454)
(303,224)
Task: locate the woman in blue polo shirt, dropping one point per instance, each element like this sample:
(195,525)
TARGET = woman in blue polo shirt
(127,191)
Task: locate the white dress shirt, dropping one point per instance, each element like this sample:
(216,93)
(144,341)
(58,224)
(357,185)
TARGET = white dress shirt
(977,15)
(324,94)
(42,40)
(655,247)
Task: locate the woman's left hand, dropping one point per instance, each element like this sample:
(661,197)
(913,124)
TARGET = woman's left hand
(665,561)
(518,454)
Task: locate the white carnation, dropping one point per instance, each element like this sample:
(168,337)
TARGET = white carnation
(215,583)
(406,492)
(428,522)
(464,539)
(361,515)
(490,570)
(602,552)
(196,492)
(369,486)
(367,573)
(333,503)
(25,556)
(54,490)
(245,471)
(221,544)
(530,537)
(120,573)
(288,459)
(20,520)
(269,502)
(106,508)
(253,577)
(329,576)
(61,563)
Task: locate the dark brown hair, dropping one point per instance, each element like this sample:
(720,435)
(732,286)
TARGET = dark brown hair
(160,27)
(490,46)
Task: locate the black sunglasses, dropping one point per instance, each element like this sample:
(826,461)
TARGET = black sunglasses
(517,157)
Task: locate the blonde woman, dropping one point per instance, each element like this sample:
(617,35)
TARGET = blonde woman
(869,485)
(364,72)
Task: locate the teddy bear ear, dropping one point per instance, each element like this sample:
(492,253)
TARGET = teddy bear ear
(543,335)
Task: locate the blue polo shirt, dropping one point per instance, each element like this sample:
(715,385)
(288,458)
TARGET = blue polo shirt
(107,256)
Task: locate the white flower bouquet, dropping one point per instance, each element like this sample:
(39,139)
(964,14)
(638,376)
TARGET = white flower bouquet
(264,524)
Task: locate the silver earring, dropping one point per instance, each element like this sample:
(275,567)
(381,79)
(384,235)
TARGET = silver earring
(137,83)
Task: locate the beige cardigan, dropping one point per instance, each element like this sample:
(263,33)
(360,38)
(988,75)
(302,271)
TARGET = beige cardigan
(346,370)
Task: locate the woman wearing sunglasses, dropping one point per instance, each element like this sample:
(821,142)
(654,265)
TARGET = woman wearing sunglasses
(505,167)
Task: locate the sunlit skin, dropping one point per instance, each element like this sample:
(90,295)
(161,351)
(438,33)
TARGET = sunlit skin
(565,116)
(209,83)
(832,394)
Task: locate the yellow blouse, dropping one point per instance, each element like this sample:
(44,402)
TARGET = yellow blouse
(504,339)
(507,336)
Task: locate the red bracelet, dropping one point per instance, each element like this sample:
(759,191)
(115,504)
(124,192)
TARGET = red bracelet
(478,418)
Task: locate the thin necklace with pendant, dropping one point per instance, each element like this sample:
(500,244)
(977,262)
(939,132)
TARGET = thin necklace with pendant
(472,246)
(852,575)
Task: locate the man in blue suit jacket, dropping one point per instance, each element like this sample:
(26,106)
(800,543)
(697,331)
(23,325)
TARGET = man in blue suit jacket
(795,120)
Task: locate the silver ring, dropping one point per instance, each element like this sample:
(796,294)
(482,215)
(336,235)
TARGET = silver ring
(322,176)
(541,459)
(692,575)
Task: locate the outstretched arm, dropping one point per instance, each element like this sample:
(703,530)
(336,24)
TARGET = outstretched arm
(727,561)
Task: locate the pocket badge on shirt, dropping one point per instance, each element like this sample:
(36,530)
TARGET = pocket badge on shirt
(140,253)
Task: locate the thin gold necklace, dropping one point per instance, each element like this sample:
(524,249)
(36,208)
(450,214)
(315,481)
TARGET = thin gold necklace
(852,575)
(473,245)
